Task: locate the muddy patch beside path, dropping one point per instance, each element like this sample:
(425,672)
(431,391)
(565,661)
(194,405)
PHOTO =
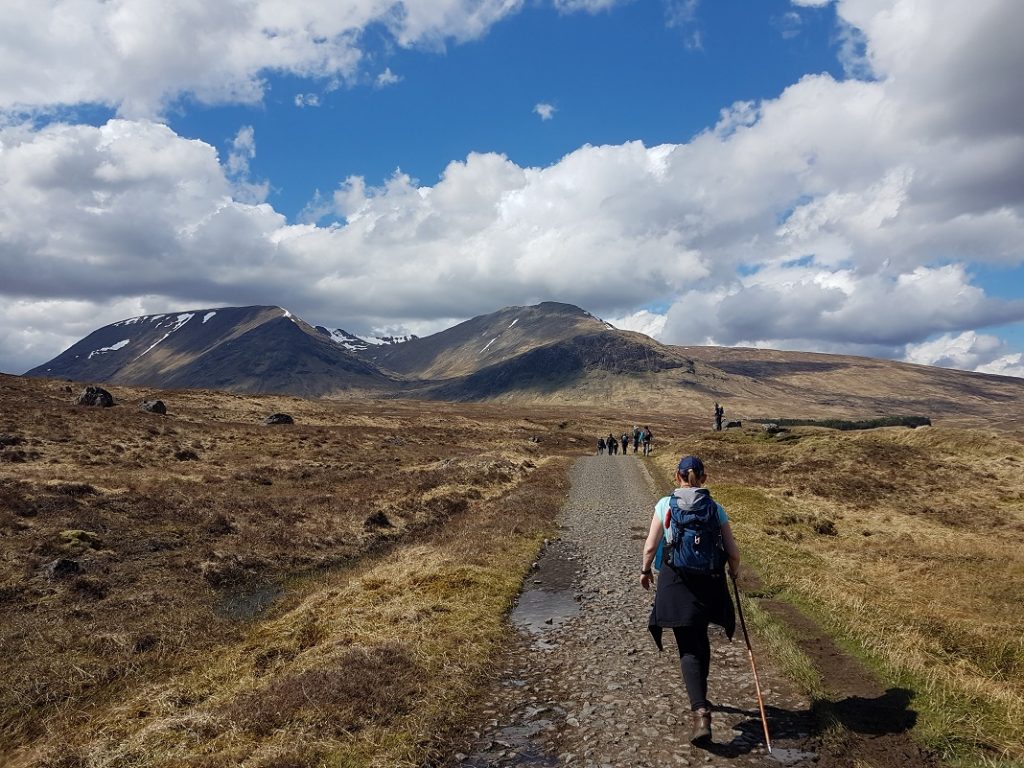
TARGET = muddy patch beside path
(874,722)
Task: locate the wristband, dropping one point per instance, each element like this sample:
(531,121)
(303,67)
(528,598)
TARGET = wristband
(646,572)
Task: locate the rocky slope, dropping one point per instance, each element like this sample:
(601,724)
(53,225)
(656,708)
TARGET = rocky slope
(238,349)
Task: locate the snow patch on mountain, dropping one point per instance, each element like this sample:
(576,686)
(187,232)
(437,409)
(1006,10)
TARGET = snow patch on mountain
(354,343)
(178,323)
(385,341)
(111,348)
(207,316)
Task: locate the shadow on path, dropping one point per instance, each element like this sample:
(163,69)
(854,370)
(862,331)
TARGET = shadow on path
(877,726)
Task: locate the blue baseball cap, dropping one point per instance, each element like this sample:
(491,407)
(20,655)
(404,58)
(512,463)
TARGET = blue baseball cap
(691,462)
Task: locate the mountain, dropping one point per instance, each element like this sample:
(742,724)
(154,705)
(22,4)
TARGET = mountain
(487,340)
(239,349)
(547,353)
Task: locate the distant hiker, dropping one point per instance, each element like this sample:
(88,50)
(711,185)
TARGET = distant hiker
(719,413)
(613,445)
(691,541)
(636,438)
(647,438)
(625,443)
(600,446)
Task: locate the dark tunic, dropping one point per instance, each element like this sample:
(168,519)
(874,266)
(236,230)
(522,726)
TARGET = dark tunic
(685,600)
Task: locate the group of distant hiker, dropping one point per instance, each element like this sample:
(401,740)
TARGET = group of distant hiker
(640,437)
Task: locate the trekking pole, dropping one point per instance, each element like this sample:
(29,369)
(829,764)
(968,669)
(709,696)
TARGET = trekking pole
(750,653)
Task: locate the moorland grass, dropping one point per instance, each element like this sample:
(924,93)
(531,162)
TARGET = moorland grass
(387,541)
(908,544)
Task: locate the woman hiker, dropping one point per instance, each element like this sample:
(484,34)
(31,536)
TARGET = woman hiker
(690,534)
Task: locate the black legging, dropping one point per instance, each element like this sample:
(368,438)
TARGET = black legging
(694,661)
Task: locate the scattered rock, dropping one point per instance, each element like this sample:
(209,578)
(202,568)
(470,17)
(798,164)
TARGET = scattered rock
(186,454)
(62,567)
(219,525)
(278,418)
(733,424)
(826,528)
(153,406)
(378,520)
(96,396)
(11,440)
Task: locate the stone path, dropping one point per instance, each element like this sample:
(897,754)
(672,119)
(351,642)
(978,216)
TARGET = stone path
(585,685)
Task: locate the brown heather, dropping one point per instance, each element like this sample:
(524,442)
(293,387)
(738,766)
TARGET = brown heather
(200,589)
(335,592)
(909,544)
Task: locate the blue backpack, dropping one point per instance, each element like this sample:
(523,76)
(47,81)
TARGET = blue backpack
(696,544)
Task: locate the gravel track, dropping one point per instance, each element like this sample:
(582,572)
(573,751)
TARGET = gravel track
(585,685)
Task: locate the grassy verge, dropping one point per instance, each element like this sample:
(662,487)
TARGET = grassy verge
(366,668)
(917,572)
(388,540)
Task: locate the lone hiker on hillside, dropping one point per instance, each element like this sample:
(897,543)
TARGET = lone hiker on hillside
(690,538)
(719,413)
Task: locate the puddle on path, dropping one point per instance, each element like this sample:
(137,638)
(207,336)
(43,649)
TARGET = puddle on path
(546,603)
(792,756)
(547,600)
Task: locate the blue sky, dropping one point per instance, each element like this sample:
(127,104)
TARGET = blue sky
(612,76)
(802,174)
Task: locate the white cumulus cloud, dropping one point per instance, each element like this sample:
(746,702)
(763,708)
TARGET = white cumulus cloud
(307,100)
(386,78)
(838,215)
(968,350)
(130,54)
(545,110)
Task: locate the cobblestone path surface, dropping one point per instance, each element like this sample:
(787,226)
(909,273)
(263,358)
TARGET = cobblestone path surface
(585,685)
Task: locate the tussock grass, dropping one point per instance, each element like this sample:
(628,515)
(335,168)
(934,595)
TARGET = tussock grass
(907,543)
(330,593)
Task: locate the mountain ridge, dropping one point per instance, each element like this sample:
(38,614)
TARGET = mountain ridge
(548,352)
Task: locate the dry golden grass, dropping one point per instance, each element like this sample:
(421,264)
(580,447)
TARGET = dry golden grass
(908,542)
(384,543)
(201,590)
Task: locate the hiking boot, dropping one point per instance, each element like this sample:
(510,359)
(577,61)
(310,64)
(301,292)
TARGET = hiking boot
(701,727)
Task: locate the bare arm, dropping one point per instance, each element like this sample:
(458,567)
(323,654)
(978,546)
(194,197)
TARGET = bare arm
(654,536)
(731,549)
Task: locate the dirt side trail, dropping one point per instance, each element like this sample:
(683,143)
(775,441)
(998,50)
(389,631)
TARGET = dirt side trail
(583,683)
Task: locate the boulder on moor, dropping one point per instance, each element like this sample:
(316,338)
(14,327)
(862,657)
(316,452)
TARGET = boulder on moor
(96,396)
(153,406)
(278,418)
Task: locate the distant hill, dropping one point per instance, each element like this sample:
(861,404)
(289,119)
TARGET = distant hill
(551,350)
(238,349)
(547,353)
(487,340)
